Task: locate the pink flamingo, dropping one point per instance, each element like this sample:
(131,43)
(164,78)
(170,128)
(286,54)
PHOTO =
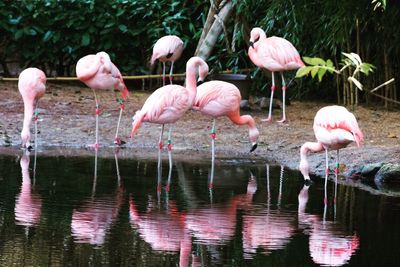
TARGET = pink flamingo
(219,98)
(274,54)
(334,128)
(98,72)
(167,48)
(32,86)
(168,103)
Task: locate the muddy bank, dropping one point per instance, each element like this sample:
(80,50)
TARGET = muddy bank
(67,125)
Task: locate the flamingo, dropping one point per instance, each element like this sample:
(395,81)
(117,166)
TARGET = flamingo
(334,128)
(32,86)
(219,98)
(98,72)
(274,54)
(167,48)
(168,103)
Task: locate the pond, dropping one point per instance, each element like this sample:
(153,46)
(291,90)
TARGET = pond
(97,211)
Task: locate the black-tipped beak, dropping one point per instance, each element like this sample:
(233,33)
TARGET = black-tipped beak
(199,82)
(253,147)
(29,148)
(252,44)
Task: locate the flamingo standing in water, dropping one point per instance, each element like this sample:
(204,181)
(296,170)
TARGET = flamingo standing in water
(219,98)
(32,86)
(274,54)
(334,128)
(167,48)
(168,103)
(98,72)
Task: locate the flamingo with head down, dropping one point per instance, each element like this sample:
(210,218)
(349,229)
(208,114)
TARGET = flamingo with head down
(334,128)
(99,73)
(274,54)
(219,98)
(32,86)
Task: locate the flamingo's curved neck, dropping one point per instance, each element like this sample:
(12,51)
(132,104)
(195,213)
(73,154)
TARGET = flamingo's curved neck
(28,114)
(191,86)
(305,148)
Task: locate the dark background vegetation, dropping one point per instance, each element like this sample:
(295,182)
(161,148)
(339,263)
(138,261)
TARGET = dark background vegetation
(53,35)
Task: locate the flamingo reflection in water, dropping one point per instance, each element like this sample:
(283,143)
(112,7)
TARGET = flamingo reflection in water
(92,220)
(266,228)
(163,228)
(329,245)
(215,223)
(28,205)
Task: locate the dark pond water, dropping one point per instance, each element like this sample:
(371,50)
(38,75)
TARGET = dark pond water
(59,211)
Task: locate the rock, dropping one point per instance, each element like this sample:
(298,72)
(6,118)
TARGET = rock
(389,173)
(245,105)
(264,102)
(365,173)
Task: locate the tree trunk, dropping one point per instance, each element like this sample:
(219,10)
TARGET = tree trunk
(206,47)
(207,25)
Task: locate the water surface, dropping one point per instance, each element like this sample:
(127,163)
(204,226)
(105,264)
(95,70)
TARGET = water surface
(94,211)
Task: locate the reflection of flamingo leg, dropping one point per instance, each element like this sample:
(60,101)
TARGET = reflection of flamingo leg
(280,186)
(95,174)
(268,191)
(213,142)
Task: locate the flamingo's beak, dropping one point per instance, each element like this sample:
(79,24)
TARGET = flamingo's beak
(251,44)
(253,147)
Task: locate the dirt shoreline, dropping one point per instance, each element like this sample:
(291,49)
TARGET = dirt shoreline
(67,126)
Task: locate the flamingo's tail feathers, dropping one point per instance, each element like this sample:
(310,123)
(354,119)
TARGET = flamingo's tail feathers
(137,121)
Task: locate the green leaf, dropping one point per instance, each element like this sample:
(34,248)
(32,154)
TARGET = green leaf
(123,28)
(18,34)
(366,68)
(321,73)
(329,63)
(15,21)
(85,39)
(314,71)
(315,61)
(47,36)
(303,71)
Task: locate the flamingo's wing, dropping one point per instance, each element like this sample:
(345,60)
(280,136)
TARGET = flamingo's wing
(278,54)
(217,98)
(337,117)
(167,104)
(87,67)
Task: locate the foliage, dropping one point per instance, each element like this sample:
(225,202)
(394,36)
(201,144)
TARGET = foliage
(55,34)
